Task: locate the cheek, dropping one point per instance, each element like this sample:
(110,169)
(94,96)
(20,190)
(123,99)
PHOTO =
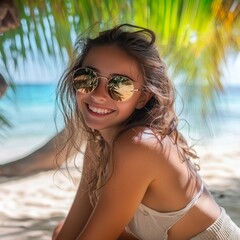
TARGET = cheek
(129,107)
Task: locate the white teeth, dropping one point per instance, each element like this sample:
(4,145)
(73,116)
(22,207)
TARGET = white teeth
(99,110)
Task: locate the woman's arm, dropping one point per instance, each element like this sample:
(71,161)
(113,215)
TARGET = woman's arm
(79,213)
(122,194)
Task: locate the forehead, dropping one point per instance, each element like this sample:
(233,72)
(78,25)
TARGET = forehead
(111,59)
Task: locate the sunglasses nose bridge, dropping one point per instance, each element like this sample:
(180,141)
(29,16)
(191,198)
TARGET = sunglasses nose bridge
(103,77)
(101,87)
(103,82)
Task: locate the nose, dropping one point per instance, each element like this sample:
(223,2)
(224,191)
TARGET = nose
(100,93)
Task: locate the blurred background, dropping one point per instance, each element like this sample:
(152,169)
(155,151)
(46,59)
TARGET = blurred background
(198,39)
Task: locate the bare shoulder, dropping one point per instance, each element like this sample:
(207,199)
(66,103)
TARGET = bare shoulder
(144,140)
(142,146)
(133,139)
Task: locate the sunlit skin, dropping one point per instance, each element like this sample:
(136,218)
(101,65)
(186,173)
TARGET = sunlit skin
(144,170)
(109,61)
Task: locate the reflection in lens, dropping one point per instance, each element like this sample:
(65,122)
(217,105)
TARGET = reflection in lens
(85,80)
(115,95)
(85,86)
(120,88)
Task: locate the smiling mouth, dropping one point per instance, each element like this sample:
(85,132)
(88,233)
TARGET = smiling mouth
(101,111)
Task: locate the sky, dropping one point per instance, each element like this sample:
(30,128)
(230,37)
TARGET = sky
(232,72)
(38,72)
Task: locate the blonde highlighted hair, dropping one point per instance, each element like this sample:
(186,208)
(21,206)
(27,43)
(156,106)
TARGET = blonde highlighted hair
(158,114)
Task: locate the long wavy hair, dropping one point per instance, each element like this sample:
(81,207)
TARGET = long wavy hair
(158,114)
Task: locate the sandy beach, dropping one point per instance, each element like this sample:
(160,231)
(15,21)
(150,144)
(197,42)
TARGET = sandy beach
(31,206)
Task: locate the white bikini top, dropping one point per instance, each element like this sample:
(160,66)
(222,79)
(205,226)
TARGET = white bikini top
(148,224)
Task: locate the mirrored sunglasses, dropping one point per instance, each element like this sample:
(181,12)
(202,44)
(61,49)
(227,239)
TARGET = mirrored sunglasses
(120,88)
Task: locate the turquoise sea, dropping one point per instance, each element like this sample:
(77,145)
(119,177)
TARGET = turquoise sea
(31,112)
(30,109)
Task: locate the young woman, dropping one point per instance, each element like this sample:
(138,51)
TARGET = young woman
(138,181)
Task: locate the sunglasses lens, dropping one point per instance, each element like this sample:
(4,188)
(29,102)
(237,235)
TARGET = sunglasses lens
(120,88)
(84,80)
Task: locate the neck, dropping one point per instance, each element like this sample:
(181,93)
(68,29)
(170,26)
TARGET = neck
(108,134)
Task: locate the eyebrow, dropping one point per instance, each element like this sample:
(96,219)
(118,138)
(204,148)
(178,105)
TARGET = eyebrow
(112,75)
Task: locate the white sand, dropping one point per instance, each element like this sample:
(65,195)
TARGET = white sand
(31,206)
(220,169)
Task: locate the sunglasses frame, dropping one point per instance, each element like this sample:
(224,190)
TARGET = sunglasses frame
(98,76)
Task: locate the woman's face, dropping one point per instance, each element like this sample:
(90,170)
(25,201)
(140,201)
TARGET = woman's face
(99,110)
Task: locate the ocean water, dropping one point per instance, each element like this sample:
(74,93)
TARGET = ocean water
(30,109)
(222,119)
(31,112)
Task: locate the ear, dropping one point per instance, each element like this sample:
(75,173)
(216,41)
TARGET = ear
(144,98)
